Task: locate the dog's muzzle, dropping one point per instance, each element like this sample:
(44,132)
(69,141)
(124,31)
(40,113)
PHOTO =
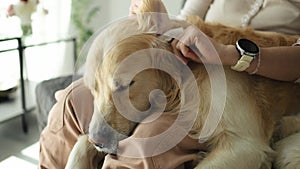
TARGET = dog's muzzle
(102,135)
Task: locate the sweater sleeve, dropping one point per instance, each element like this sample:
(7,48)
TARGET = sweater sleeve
(195,7)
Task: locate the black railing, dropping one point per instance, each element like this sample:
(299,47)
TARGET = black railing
(20,48)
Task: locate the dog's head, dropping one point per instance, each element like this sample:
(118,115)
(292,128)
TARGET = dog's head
(125,88)
(130,72)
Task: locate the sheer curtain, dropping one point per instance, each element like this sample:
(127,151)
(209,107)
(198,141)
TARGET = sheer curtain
(42,62)
(51,60)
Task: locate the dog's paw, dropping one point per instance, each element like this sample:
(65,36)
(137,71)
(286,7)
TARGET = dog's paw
(288,152)
(84,155)
(287,126)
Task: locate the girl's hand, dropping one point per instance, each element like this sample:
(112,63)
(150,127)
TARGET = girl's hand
(134,6)
(194,45)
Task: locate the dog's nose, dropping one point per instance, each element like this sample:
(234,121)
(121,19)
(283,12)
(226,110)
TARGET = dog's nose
(104,145)
(100,145)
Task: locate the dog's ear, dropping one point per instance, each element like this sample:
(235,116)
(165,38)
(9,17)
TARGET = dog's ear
(152,16)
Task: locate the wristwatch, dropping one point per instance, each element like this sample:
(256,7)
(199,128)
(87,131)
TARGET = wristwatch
(248,51)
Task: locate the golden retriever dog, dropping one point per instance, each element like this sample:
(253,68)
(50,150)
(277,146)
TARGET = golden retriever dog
(256,111)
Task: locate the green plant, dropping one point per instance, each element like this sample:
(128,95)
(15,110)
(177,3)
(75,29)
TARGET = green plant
(81,16)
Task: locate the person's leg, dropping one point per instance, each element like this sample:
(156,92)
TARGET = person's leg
(159,148)
(68,119)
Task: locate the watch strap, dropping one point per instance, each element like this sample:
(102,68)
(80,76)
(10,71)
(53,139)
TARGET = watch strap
(243,63)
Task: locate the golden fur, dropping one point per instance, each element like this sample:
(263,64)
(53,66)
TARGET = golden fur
(254,110)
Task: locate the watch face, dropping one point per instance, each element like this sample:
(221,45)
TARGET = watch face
(248,46)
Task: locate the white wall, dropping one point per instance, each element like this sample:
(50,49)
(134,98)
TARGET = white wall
(120,8)
(112,10)
(173,6)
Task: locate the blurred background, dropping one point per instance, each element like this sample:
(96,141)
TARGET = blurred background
(41,40)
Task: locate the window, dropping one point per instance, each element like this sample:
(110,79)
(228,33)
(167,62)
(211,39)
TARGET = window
(41,62)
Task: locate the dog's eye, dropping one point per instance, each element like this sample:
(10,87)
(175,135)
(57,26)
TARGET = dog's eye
(121,88)
(131,83)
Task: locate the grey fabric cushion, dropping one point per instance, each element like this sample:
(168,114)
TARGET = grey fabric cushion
(45,99)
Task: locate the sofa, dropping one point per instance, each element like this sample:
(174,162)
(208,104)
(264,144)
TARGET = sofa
(45,98)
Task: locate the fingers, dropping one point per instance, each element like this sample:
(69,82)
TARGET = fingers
(178,52)
(184,49)
(183,52)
